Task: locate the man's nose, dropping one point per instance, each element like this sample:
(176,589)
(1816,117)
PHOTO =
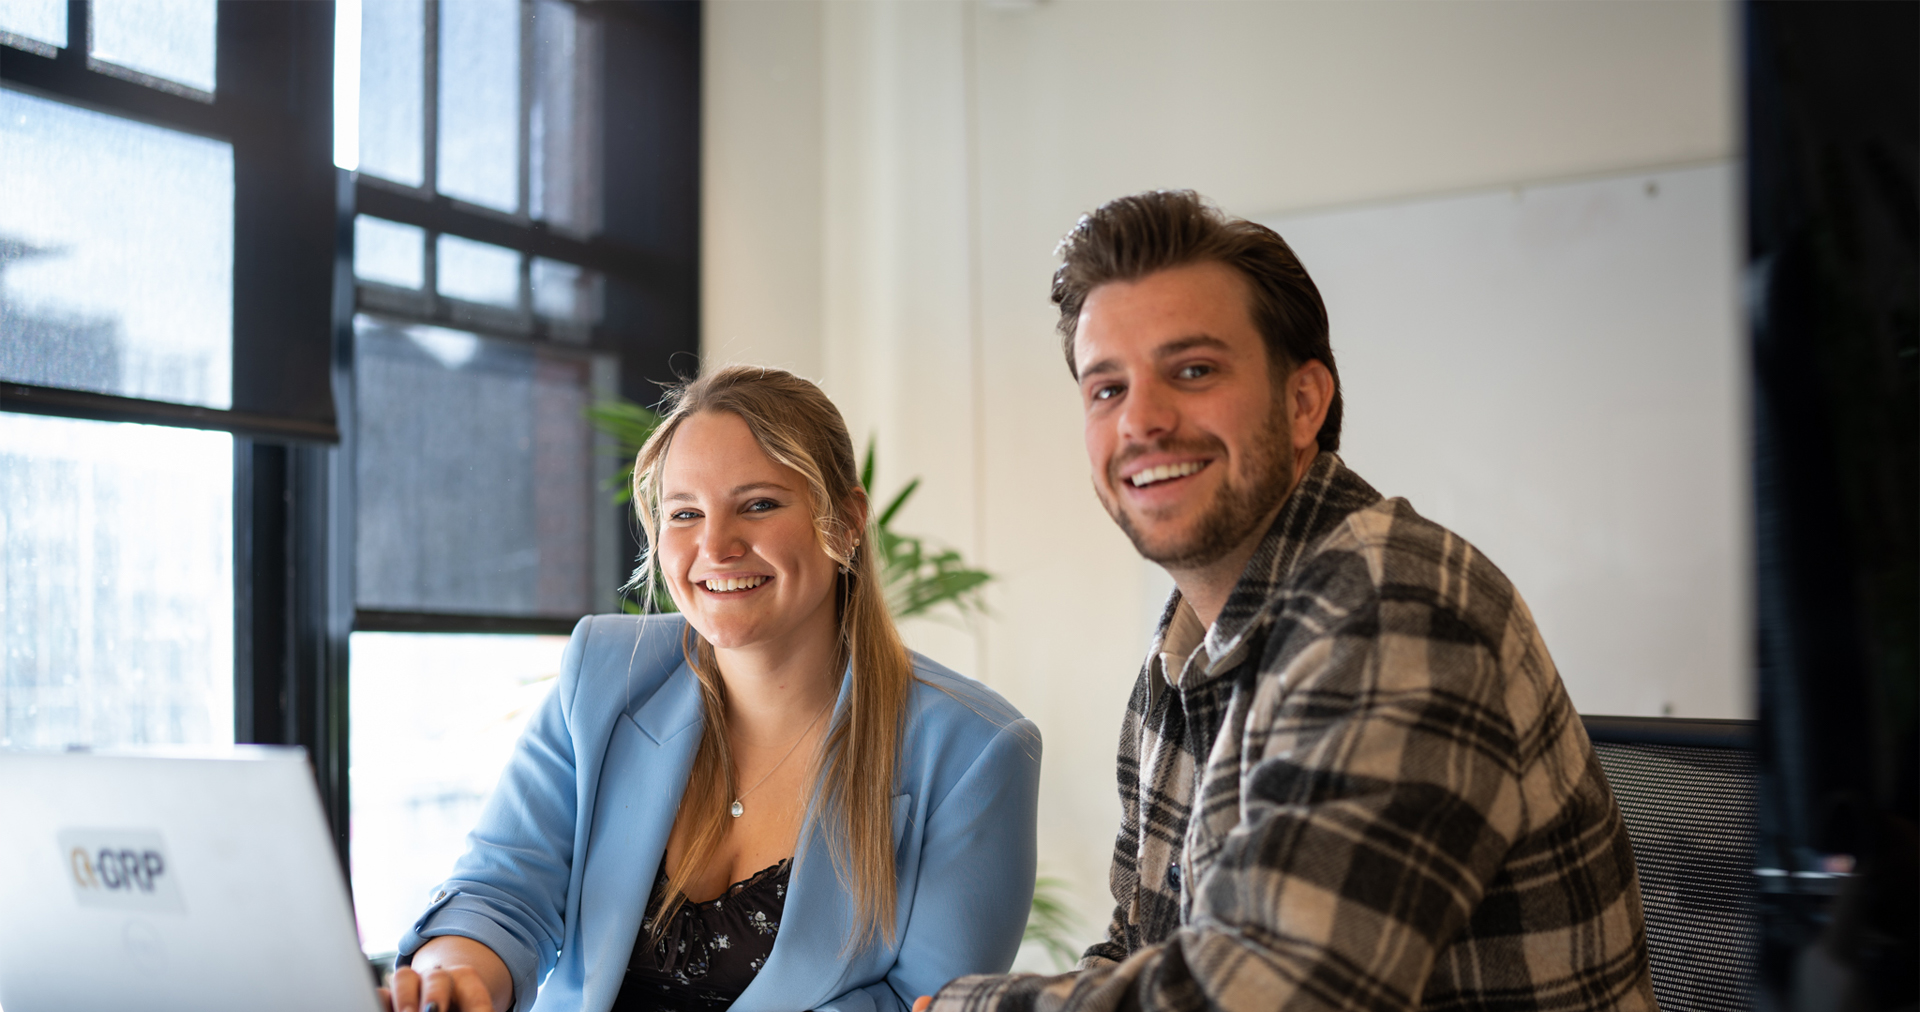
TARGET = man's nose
(1148,413)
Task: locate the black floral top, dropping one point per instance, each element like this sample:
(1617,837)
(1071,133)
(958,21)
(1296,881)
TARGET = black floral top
(711,951)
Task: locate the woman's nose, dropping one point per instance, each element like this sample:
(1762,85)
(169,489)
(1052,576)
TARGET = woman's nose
(723,542)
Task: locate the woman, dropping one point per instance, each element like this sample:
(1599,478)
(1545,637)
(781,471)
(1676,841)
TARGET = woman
(765,801)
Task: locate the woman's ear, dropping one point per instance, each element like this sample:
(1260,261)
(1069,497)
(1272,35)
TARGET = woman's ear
(856,509)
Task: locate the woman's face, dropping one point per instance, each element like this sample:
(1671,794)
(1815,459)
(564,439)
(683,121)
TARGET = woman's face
(737,542)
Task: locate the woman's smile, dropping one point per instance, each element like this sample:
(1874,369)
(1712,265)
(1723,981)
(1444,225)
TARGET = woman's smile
(734,586)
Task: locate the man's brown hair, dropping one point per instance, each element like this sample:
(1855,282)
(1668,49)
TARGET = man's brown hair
(1131,237)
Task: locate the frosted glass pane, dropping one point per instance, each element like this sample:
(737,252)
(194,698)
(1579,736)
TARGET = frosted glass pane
(564,291)
(479,272)
(389,252)
(116,255)
(116,584)
(564,123)
(393,39)
(172,40)
(479,154)
(474,472)
(434,719)
(23,23)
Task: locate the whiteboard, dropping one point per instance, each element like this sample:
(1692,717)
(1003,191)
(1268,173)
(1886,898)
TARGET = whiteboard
(1556,373)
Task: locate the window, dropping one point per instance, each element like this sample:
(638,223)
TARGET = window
(475,349)
(263,410)
(116,274)
(498,291)
(480,491)
(35,26)
(116,279)
(165,373)
(165,44)
(428,746)
(116,589)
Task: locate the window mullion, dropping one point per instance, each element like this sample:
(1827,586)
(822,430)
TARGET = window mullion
(430,104)
(525,145)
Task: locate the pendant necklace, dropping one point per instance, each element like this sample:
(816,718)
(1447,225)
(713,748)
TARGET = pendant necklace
(738,809)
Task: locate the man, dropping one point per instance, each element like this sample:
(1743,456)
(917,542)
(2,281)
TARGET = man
(1349,773)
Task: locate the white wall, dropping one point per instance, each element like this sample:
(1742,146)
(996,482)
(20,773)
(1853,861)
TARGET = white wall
(885,183)
(1571,354)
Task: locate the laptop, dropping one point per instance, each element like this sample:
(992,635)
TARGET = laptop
(189,880)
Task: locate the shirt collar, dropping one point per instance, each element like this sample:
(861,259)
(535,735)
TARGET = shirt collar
(1325,496)
(1183,643)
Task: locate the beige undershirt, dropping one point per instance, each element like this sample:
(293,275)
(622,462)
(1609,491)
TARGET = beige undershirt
(1185,643)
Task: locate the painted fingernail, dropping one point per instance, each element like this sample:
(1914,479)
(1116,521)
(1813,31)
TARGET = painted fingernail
(432,1006)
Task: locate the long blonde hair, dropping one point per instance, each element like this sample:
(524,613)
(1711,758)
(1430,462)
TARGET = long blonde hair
(796,425)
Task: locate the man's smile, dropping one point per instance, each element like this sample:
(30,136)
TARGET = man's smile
(1159,473)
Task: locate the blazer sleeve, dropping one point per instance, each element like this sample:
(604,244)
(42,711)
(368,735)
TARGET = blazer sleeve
(975,883)
(509,890)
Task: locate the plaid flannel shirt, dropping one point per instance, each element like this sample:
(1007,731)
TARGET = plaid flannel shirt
(1367,791)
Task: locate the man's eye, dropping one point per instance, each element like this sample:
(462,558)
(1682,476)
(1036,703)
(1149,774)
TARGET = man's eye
(1194,370)
(1107,393)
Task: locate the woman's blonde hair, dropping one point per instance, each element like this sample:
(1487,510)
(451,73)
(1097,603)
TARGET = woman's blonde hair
(796,425)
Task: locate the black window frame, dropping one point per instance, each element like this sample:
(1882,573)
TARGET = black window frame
(645,250)
(294,299)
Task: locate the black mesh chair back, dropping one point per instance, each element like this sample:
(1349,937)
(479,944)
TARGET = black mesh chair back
(1686,788)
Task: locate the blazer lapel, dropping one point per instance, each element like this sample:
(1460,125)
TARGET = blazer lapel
(642,778)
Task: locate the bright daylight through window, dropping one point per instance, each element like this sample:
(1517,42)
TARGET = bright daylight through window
(116,584)
(428,744)
(116,540)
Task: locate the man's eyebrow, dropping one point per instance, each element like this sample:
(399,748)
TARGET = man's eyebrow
(1178,345)
(1168,350)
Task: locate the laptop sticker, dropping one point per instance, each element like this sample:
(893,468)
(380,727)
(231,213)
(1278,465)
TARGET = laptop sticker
(121,869)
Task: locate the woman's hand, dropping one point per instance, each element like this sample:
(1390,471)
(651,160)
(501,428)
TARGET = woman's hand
(451,974)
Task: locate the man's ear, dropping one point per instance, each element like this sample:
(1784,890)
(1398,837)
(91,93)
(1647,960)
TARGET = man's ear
(1309,395)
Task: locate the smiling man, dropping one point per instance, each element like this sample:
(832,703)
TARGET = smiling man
(1349,774)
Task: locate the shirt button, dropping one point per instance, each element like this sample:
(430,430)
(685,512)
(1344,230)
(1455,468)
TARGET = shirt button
(438,895)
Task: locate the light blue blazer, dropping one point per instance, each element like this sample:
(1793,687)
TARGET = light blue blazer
(557,872)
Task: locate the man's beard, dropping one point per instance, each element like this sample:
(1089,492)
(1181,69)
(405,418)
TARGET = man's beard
(1230,519)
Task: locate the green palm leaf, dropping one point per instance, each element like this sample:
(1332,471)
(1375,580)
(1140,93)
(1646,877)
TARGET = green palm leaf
(1050,923)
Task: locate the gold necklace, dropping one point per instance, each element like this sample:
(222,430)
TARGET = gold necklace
(738,809)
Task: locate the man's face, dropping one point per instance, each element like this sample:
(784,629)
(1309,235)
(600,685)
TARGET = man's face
(1189,443)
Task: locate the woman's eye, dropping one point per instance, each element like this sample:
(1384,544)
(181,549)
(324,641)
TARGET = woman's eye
(761,506)
(683,515)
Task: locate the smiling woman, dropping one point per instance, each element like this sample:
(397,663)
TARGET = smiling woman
(769,801)
(750,497)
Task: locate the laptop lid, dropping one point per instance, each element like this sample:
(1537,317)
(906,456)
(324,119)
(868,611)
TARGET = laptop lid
(198,881)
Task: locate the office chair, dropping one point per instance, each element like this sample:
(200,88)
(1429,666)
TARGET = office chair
(1686,789)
